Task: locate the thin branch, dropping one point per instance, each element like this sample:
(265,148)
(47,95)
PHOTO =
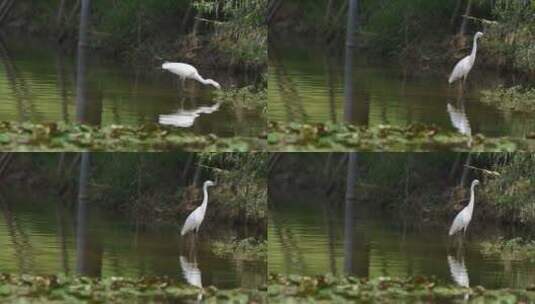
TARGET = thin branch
(485,171)
(482,20)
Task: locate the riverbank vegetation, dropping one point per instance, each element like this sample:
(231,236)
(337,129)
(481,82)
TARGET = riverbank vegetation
(154,188)
(428,188)
(223,37)
(415,137)
(250,98)
(149,137)
(53,289)
(329,289)
(248,249)
(423,32)
(514,99)
(512,195)
(219,33)
(516,249)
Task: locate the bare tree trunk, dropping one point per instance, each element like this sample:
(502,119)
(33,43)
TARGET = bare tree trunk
(85,110)
(350,48)
(197,176)
(467,13)
(455,12)
(59,16)
(186,19)
(186,168)
(349,217)
(455,166)
(465,169)
(328,11)
(88,245)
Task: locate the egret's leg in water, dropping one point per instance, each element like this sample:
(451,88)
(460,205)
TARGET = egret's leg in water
(192,246)
(460,91)
(458,252)
(460,240)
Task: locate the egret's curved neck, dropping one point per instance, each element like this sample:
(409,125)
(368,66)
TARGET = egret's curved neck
(200,79)
(205,199)
(474,48)
(205,81)
(472,197)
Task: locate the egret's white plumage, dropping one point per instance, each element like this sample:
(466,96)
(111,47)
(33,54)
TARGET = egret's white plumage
(186,118)
(464,217)
(459,120)
(463,67)
(194,220)
(187,71)
(191,272)
(458,271)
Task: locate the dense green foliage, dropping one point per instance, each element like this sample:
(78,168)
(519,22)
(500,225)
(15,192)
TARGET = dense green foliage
(160,187)
(148,137)
(243,190)
(424,30)
(510,38)
(249,97)
(427,185)
(515,249)
(512,194)
(243,33)
(248,249)
(514,98)
(230,32)
(339,137)
(53,289)
(329,289)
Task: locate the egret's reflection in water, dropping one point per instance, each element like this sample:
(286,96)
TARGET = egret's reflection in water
(191,271)
(186,118)
(458,271)
(192,274)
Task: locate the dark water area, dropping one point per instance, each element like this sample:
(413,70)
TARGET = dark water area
(306,82)
(40,234)
(308,235)
(38,84)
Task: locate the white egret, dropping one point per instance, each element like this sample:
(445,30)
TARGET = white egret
(462,220)
(187,71)
(194,220)
(463,67)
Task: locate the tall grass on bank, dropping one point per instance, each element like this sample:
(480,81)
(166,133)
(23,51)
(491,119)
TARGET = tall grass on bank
(512,195)
(509,40)
(240,29)
(242,185)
